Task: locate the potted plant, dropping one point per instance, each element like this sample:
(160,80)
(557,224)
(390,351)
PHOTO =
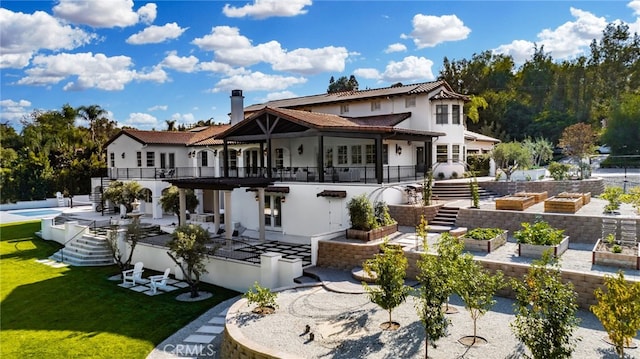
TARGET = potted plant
(610,252)
(484,239)
(368,222)
(263,297)
(535,238)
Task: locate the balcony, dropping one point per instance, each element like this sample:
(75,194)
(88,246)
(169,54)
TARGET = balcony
(360,174)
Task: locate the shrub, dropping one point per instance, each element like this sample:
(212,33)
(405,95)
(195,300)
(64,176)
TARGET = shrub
(262,296)
(381,211)
(614,195)
(559,171)
(440,175)
(540,233)
(484,234)
(454,174)
(361,213)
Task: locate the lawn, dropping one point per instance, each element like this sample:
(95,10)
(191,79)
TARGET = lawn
(76,312)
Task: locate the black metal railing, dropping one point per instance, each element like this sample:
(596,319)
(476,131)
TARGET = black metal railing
(351,174)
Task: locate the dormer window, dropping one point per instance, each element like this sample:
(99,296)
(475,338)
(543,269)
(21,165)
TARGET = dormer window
(344,108)
(442,114)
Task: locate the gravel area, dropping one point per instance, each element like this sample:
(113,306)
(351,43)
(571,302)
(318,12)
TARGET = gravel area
(348,326)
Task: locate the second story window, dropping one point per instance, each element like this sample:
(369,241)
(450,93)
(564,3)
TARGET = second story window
(370,153)
(151,159)
(139,158)
(455,114)
(442,153)
(356,154)
(233,159)
(279,158)
(441,114)
(410,101)
(344,108)
(455,153)
(112,159)
(204,161)
(342,155)
(172,160)
(375,105)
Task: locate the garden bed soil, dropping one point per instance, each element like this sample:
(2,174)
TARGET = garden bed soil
(537,196)
(373,234)
(536,250)
(586,196)
(628,258)
(476,245)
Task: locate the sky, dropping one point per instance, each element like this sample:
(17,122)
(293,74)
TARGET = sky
(147,63)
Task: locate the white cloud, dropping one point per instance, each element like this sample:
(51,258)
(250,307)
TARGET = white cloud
(25,34)
(218,67)
(157,74)
(183,118)
(141,120)
(635,5)
(312,61)
(232,48)
(262,9)
(397,47)
(182,64)
(410,68)
(429,31)
(156,34)
(90,71)
(257,81)
(367,73)
(568,40)
(278,96)
(158,108)
(112,13)
(14,111)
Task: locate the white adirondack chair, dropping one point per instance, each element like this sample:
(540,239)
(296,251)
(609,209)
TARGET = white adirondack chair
(133,276)
(159,281)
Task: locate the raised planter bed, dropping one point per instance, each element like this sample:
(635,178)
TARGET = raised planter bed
(563,205)
(373,234)
(586,197)
(628,258)
(486,245)
(515,203)
(536,250)
(537,196)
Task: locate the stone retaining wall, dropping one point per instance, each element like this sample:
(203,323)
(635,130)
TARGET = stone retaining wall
(409,215)
(503,188)
(584,283)
(580,229)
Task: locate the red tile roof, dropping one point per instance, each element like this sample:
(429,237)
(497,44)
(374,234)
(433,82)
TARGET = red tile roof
(201,136)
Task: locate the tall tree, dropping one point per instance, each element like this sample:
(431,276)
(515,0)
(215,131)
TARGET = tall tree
(343,84)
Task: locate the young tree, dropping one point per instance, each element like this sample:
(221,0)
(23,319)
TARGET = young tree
(509,156)
(124,193)
(389,269)
(476,287)
(577,141)
(450,261)
(170,201)
(541,150)
(431,294)
(618,310)
(187,248)
(545,311)
(427,188)
(132,237)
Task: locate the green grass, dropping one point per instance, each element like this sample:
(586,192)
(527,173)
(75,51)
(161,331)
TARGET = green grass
(76,312)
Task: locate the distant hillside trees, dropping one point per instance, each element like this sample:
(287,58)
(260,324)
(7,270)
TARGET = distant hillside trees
(342,84)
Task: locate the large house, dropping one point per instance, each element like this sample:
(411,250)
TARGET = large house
(291,165)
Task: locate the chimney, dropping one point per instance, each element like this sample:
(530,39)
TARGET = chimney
(237,106)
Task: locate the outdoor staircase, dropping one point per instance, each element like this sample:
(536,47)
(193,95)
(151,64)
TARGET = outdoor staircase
(445,220)
(88,250)
(457,190)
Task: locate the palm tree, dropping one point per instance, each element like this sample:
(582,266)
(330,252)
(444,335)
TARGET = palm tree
(91,114)
(171,125)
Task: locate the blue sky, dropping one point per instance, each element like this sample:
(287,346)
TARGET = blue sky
(148,62)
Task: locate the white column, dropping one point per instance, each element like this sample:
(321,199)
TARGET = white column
(228,217)
(156,207)
(182,195)
(261,229)
(269,269)
(200,196)
(216,210)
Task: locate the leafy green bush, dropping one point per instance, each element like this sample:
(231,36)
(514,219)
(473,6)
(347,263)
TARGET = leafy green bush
(361,213)
(559,171)
(614,195)
(540,233)
(484,234)
(381,211)
(262,296)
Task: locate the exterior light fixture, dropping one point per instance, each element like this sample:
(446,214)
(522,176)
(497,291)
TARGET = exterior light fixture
(398,149)
(300,149)
(122,155)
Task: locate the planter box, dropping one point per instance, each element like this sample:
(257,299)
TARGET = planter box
(373,234)
(514,203)
(537,196)
(622,260)
(476,245)
(563,205)
(536,250)
(586,197)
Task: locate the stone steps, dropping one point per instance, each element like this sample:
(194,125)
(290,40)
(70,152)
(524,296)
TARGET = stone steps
(88,250)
